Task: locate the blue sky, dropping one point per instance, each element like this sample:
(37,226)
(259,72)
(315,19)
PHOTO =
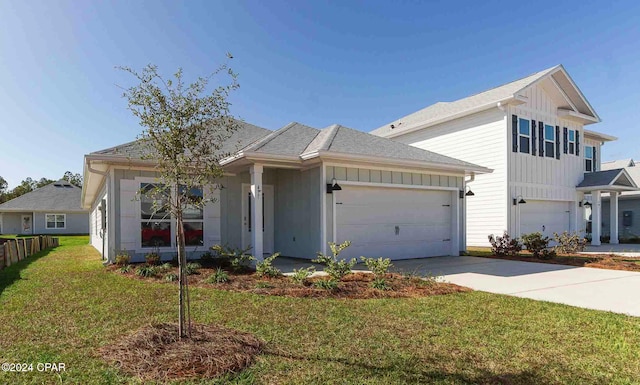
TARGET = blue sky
(360,64)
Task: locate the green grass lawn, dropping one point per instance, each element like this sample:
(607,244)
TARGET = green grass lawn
(63,305)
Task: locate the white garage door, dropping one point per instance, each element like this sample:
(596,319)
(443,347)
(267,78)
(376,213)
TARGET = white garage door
(546,217)
(393,223)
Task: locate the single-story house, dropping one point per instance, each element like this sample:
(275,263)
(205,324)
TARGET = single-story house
(51,209)
(290,191)
(628,203)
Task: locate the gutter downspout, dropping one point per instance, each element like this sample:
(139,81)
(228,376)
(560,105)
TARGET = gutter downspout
(102,211)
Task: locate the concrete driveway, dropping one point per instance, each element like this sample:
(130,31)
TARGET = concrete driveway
(610,290)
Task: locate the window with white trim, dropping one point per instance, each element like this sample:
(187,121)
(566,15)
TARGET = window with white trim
(524,135)
(155,226)
(572,141)
(549,141)
(588,159)
(56,221)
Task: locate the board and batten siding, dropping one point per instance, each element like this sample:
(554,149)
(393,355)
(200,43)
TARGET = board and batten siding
(367,175)
(481,139)
(541,178)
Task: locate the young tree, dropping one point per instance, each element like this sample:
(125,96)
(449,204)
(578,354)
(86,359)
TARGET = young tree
(184,129)
(74,179)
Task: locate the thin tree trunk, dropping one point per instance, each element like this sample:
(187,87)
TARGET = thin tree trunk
(181,271)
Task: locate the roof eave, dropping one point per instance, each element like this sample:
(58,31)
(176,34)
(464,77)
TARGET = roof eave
(598,135)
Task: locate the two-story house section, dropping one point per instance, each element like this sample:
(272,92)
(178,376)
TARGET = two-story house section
(531,132)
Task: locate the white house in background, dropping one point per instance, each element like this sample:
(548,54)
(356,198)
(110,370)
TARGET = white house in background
(531,132)
(290,191)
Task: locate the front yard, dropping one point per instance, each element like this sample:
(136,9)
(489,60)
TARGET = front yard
(63,306)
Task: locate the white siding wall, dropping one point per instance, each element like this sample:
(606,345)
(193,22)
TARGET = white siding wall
(481,139)
(95,222)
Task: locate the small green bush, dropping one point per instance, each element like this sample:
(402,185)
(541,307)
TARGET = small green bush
(152,259)
(171,277)
(125,269)
(192,268)
(146,271)
(219,276)
(326,284)
(380,284)
(335,267)
(568,243)
(538,245)
(123,259)
(300,275)
(265,267)
(379,267)
(166,266)
(503,245)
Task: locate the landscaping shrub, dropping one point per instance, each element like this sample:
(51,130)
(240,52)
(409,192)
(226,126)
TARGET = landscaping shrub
(327,284)
(504,245)
(152,259)
(171,277)
(569,242)
(335,267)
(166,266)
(125,269)
(265,267)
(192,268)
(219,276)
(379,267)
(380,284)
(146,271)
(122,259)
(237,259)
(300,275)
(538,245)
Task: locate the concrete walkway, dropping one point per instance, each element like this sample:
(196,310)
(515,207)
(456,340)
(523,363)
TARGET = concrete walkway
(599,289)
(624,250)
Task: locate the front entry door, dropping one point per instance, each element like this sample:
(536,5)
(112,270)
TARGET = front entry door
(27,225)
(267,218)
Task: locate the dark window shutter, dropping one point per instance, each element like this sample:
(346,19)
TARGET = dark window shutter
(577,142)
(595,161)
(566,139)
(533,137)
(558,142)
(541,138)
(514,132)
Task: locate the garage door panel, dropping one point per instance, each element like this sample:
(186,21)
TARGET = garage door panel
(393,223)
(545,217)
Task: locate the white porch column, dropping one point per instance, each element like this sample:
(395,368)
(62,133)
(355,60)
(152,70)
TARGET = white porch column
(256,210)
(596,218)
(613,217)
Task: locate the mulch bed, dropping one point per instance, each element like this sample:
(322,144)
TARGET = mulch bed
(353,286)
(155,353)
(599,261)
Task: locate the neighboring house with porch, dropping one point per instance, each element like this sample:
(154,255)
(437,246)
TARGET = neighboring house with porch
(51,209)
(290,191)
(532,133)
(628,203)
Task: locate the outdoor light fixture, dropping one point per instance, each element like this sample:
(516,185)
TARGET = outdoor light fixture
(518,202)
(587,204)
(333,186)
(469,193)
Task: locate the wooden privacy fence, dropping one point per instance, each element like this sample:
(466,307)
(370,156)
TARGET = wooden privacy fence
(14,250)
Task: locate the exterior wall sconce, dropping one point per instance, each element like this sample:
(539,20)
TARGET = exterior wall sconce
(469,193)
(520,201)
(587,204)
(333,186)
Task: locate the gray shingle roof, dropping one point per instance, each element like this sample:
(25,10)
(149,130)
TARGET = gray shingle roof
(245,135)
(60,196)
(296,140)
(442,110)
(603,178)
